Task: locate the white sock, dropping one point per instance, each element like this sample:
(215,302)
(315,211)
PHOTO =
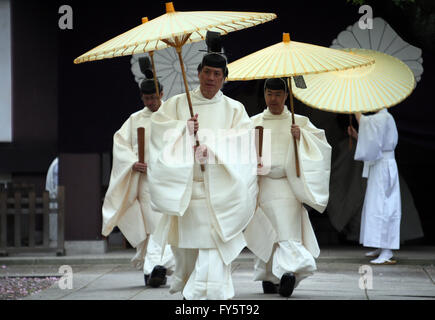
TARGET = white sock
(385,255)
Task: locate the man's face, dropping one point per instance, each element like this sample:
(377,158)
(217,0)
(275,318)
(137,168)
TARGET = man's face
(275,100)
(151,101)
(211,80)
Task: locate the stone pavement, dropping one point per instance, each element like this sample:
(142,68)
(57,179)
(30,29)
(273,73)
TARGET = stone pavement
(340,276)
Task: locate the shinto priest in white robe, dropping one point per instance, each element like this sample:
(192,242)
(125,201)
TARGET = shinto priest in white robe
(381,213)
(127,201)
(204,212)
(287,242)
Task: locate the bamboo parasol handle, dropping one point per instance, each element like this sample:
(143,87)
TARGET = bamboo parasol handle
(189,101)
(298,172)
(141,143)
(259,131)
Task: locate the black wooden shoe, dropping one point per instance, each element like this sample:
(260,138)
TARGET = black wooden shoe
(157,277)
(269,287)
(287,284)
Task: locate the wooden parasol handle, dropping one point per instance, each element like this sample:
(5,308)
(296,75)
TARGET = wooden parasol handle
(141,143)
(183,71)
(298,172)
(259,141)
(178,49)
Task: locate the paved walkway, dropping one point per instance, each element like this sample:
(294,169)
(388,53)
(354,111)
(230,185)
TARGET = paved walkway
(340,276)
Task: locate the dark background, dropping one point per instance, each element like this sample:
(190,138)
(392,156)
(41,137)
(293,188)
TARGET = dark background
(63,108)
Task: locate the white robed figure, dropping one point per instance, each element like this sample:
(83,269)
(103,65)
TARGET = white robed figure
(127,201)
(377,138)
(51,183)
(206,211)
(286,247)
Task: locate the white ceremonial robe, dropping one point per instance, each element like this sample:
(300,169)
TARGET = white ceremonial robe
(203,210)
(282,220)
(52,179)
(155,257)
(51,184)
(381,213)
(127,201)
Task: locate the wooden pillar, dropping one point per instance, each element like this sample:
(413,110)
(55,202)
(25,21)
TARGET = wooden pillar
(80,175)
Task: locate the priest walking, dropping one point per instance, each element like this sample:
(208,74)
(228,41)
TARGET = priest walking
(127,201)
(205,210)
(280,233)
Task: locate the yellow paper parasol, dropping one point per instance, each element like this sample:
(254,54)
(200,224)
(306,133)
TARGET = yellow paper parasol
(175,28)
(382,85)
(291,58)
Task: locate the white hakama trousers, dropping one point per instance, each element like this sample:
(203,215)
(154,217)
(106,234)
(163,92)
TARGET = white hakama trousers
(382,212)
(287,256)
(201,274)
(154,257)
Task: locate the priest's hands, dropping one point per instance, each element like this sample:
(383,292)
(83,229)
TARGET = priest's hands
(140,167)
(193,125)
(201,153)
(296,132)
(352,132)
